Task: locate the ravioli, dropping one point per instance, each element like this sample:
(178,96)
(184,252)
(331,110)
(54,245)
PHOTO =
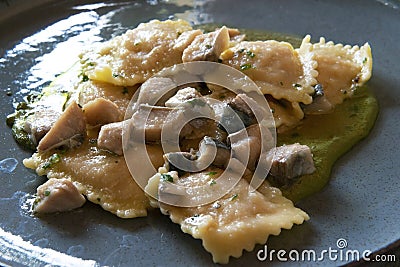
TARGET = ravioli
(135,56)
(280,71)
(102,177)
(341,68)
(275,67)
(236,222)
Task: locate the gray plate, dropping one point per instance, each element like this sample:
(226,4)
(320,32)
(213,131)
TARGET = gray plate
(360,204)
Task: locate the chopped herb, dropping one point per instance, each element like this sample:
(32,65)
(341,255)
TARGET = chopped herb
(9,93)
(55,158)
(46,165)
(179,33)
(208,46)
(219,60)
(124,90)
(85,78)
(296,85)
(234,197)
(98,199)
(91,64)
(241,50)
(115,75)
(47,193)
(272,110)
(213,182)
(250,54)
(246,66)
(136,44)
(365,60)
(212,173)
(167,177)
(222,97)
(281,83)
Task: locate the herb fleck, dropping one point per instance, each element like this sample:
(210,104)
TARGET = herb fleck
(250,54)
(47,193)
(115,75)
(124,90)
(213,182)
(55,158)
(241,50)
(85,78)
(46,165)
(246,66)
(208,46)
(365,60)
(167,177)
(234,197)
(296,85)
(212,173)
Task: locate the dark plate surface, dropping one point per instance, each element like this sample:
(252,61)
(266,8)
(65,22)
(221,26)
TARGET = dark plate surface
(360,204)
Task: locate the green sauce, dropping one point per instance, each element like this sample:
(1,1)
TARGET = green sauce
(330,136)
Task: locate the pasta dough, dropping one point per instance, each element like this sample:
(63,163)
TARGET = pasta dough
(281,72)
(341,68)
(236,222)
(135,56)
(102,177)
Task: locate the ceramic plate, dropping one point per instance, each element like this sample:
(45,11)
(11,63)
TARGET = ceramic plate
(359,207)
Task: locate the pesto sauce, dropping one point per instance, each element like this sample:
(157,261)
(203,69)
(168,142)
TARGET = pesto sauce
(330,135)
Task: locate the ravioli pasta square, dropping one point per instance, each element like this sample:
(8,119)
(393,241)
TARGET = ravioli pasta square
(135,56)
(236,222)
